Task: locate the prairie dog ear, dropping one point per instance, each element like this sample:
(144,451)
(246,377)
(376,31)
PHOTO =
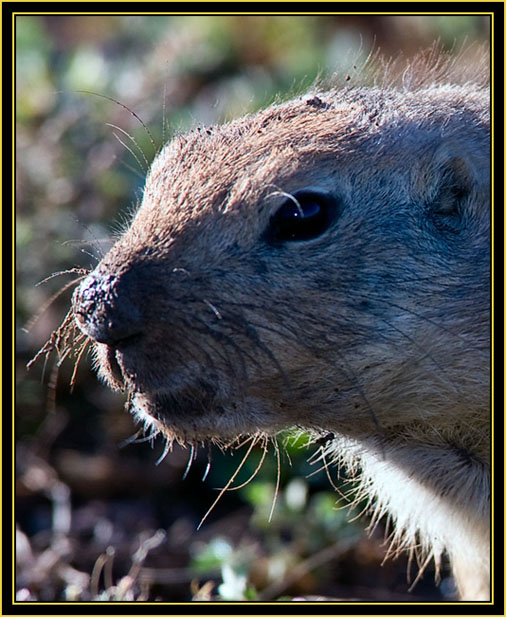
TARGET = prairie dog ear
(450,179)
(450,169)
(454,184)
(452,187)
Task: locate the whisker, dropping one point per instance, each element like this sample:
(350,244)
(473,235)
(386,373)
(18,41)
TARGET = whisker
(189,464)
(206,471)
(326,467)
(58,336)
(83,271)
(237,444)
(228,484)
(167,448)
(150,437)
(78,243)
(265,449)
(278,478)
(421,569)
(208,466)
(110,98)
(84,346)
(144,169)
(56,295)
(131,439)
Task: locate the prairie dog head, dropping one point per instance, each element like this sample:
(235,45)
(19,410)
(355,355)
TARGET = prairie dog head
(322,263)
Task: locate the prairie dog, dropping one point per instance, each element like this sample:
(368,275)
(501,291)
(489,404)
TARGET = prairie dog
(323,263)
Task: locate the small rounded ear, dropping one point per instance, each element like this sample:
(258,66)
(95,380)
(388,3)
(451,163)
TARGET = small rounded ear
(455,183)
(446,175)
(447,184)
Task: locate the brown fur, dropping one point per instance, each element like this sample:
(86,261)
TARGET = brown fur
(376,331)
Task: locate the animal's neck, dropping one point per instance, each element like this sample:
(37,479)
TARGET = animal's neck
(438,495)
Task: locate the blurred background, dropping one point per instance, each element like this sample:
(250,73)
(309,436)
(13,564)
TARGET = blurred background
(98,520)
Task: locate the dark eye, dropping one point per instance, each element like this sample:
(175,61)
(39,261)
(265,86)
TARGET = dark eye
(305,215)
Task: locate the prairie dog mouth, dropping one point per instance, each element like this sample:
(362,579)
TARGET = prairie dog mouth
(183,418)
(113,364)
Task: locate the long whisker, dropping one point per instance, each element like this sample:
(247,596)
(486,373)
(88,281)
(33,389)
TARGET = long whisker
(110,98)
(84,346)
(278,478)
(130,149)
(228,484)
(56,295)
(265,449)
(82,271)
(54,340)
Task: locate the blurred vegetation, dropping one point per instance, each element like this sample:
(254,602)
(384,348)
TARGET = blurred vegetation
(88,511)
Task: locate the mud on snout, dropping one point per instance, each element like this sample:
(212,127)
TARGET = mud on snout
(184,374)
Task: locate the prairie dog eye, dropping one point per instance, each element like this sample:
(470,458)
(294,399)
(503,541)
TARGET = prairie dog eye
(304,215)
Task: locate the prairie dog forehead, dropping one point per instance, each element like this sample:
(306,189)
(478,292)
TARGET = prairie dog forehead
(260,152)
(310,140)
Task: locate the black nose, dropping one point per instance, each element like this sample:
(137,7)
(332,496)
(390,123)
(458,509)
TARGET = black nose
(106,308)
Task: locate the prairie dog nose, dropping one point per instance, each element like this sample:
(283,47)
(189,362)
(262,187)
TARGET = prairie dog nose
(105,310)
